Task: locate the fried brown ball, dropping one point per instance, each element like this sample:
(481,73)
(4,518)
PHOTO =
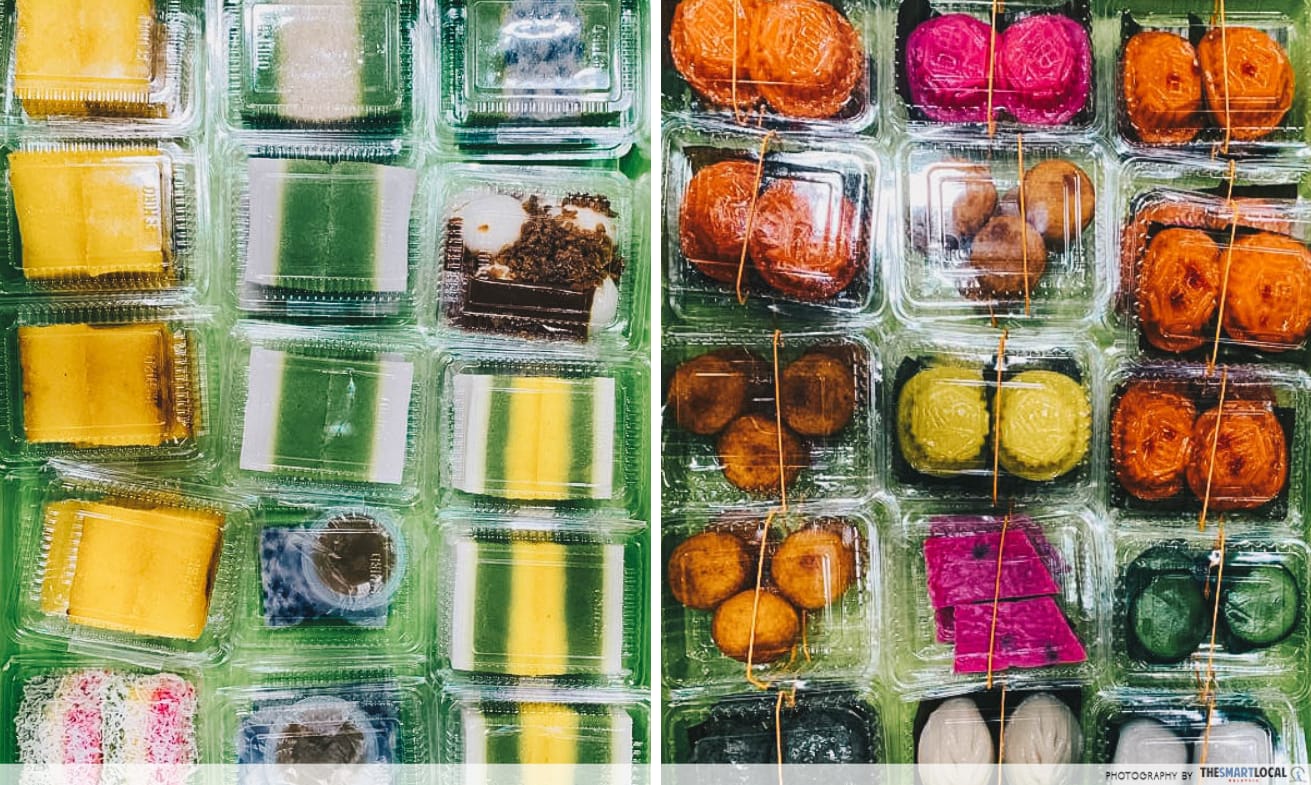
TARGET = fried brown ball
(815,566)
(708,568)
(975,198)
(818,394)
(777,626)
(1058,201)
(706,393)
(759,374)
(748,452)
(1000,262)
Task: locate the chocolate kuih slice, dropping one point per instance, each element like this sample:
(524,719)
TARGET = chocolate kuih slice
(505,306)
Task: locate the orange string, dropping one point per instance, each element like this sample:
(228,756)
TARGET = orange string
(996,416)
(1224,48)
(1224,281)
(1215,442)
(996,596)
(1024,223)
(778,424)
(755,604)
(992,65)
(1001,733)
(751,215)
(1206,732)
(1207,685)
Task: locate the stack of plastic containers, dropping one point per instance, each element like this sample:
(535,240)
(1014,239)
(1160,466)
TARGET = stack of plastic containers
(325,393)
(985,384)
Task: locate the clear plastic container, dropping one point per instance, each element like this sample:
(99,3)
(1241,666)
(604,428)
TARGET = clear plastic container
(1040,54)
(100,217)
(799,65)
(557,429)
(326,231)
(317,65)
(540,252)
(819,585)
(1170,84)
(602,733)
(974,251)
(116,561)
(814,216)
(721,440)
(337,577)
(942,416)
(1166,419)
(1169,588)
(543,597)
(550,76)
(61,360)
(124,66)
(1051,615)
(318,408)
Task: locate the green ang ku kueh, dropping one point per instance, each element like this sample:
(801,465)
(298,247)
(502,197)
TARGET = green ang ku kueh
(329,227)
(500,733)
(327,418)
(534,437)
(537,605)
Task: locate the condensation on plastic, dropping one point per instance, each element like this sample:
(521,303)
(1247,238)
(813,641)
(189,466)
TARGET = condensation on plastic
(581,623)
(825,81)
(156,90)
(961,255)
(1068,545)
(541,75)
(815,218)
(155,347)
(354,423)
(839,637)
(1144,553)
(107,601)
(963,368)
(345,191)
(486,230)
(1283,21)
(559,429)
(1174,725)
(1158,463)
(134,205)
(829,722)
(829,456)
(325,65)
(1044,78)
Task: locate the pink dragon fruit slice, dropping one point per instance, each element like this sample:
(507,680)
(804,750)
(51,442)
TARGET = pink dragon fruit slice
(964,569)
(1030,633)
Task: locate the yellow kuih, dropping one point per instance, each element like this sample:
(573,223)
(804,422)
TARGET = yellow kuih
(145,571)
(120,385)
(91,213)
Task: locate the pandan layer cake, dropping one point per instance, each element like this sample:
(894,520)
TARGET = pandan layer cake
(100,386)
(330,63)
(329,418)
(525,605)
(532,264)
(145,571)
(91,213)
(328,227)
(74,57)
(93,717)
(551,733)
(534,437)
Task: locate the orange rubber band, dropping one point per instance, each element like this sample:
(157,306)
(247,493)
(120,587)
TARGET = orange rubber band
(1215,443)
(751,216)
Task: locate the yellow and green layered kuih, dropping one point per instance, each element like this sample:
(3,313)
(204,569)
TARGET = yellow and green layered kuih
(555,733)
(534,437)
(535,607)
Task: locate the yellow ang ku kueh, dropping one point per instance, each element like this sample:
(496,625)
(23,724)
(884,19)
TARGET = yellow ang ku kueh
(144,571)
(83,56)
(90,213)
(102,386)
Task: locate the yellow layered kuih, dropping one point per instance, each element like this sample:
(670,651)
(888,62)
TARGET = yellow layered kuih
(145,571)
(99,386)
(538,454)
(538,641)
(549,734)
(71,53)
(88,213)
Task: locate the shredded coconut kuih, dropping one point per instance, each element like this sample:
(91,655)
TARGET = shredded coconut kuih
(553,250)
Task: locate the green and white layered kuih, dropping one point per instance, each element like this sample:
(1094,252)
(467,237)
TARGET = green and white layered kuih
(547,733)
(325,227)
(327,418)
(333,61)
(534,437)
(534,607)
